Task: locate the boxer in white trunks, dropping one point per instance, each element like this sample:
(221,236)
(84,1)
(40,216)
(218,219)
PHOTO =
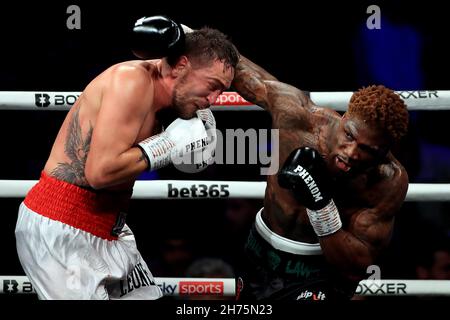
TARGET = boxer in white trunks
(71,236)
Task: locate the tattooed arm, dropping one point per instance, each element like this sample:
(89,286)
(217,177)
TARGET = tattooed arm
(112,157)
(259,87)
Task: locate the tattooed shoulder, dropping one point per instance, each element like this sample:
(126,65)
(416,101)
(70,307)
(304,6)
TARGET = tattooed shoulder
(76,148)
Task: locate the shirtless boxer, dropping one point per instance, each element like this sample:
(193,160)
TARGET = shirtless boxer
(329,211)
(71,235)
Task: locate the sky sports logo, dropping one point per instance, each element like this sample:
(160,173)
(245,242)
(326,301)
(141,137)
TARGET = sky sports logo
(231,99)
(201,288)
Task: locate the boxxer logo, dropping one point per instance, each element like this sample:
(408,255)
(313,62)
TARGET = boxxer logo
(423,94)
(10,286)
(41,100)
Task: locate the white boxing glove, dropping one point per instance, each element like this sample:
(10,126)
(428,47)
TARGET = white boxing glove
(197,159)
(210,124)
(181,137)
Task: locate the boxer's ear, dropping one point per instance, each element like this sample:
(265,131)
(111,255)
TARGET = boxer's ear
(182,65)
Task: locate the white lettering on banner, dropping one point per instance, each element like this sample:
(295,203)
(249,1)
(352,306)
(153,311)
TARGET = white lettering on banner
(201,287)
(231,98)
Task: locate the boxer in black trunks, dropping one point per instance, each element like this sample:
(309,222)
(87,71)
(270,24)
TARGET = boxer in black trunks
(329,211)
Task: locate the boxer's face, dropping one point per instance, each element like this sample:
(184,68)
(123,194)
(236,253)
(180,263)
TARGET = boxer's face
(358,145)
(199,87)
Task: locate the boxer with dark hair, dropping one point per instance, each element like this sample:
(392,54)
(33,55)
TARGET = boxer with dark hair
(72,240)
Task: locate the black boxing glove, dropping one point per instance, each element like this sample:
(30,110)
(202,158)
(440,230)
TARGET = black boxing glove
(156,37)
(304,173)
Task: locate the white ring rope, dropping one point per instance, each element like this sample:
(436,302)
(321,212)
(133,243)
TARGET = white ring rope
(227,286)
(197,189)
(192,189)
(50,100)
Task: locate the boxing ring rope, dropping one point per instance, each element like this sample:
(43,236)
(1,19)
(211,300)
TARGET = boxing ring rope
(46,100)
(227,101)
(208,189)
(227,287)
(193,189)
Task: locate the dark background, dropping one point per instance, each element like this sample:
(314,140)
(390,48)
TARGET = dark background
(320,46)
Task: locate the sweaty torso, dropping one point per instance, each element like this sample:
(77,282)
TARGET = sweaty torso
(70,150)
(285,215)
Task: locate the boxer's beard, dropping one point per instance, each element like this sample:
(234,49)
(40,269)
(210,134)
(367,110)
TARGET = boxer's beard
(179,101)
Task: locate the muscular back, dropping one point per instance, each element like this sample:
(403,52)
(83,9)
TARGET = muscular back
(93,122)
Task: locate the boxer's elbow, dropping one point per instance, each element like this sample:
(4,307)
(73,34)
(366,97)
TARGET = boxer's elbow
(96,173)
(95,180)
